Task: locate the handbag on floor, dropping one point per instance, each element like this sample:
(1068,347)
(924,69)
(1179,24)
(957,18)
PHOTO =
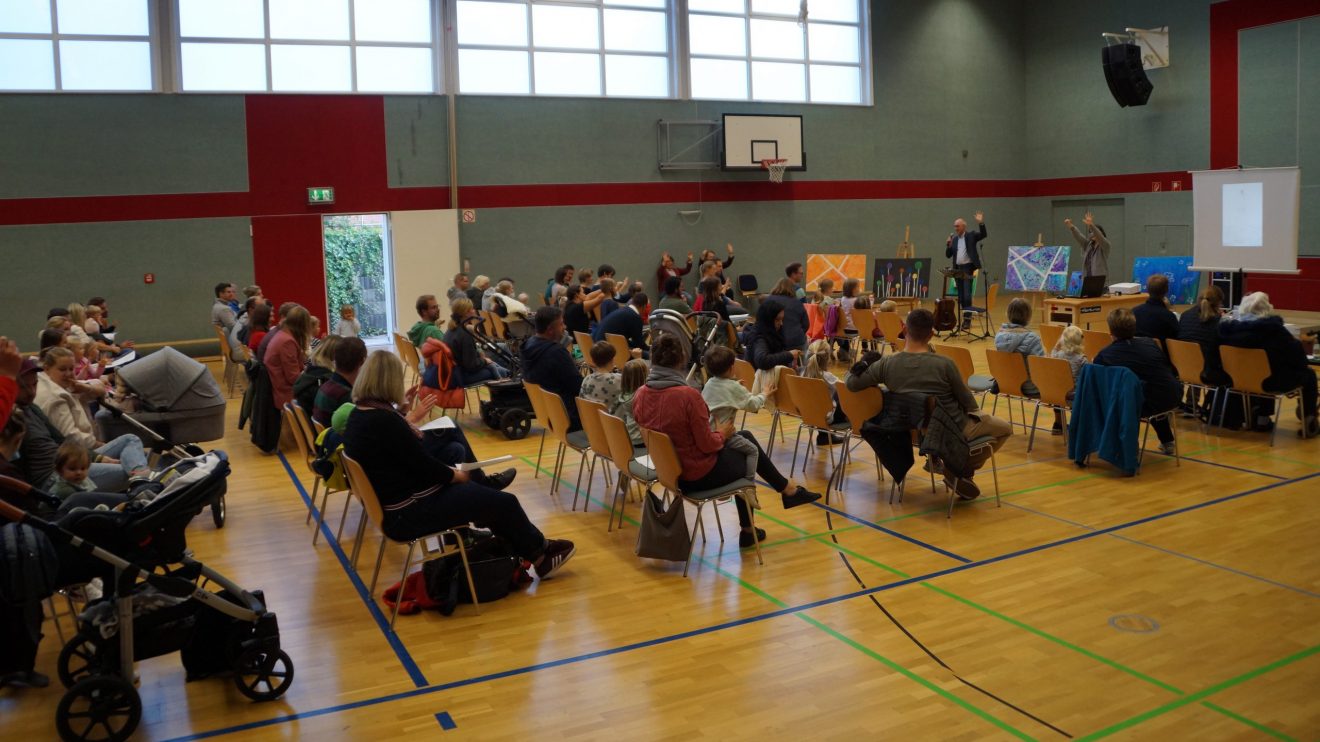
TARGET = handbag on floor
(664,533)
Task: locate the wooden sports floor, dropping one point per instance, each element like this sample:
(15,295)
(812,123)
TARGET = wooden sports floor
(1182,603)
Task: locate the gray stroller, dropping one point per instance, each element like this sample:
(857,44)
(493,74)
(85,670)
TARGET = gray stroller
(172,395)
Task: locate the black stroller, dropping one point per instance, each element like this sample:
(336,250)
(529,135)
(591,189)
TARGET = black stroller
(156,602)
(697,331)
(508,410)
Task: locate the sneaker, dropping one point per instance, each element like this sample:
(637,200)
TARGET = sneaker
(501,480)
(801,497)
(557,553)
(933,466)
(1168,449)
(1057,429)
(828,439)
(965,488)
(21,679)
(1310,429)
(745,538)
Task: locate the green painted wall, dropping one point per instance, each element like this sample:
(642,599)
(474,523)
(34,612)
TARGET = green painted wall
(46,266)
(417,141)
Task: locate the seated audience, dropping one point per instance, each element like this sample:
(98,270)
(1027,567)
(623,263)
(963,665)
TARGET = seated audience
(576,318)
(627,322)
(477,290)
(286,354)
(558,286)
(11,363)
(473,365)
(795,275)
(1161,390)
(795,315)
(1154,319)
(724,394)
(1014,337)
(667,269)
(919,370)
(1200,325)
(668,405)
(320,365)
(258,326)
(766,347)
(632,378)
(459,289)
(421,494)
(546,362)
(222,314)
(1258,326)
(673,299)
(710,297)
(104,320)
(1069,348)
(72,462)
(604,384)
(347,358)
(428,309)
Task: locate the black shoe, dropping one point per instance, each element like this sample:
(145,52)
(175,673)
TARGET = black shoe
(556,555)
(29,679)
(936,467)
(965,488)
(1057,429)
(828,439)
(501,480)
(745,538)
(801,497)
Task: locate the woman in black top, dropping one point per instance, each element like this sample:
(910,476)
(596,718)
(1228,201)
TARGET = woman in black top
(712,297)
(420,494)
(1161,390)
(1258,326)
(1200,325)
(765,342)
(474,368)
(575,314)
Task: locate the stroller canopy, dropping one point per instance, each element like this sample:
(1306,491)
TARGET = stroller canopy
(170,380)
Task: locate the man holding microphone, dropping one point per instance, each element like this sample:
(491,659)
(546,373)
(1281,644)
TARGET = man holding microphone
(961,247)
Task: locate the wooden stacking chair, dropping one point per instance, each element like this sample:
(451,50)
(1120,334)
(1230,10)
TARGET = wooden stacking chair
(859,407)
(668,470)
(1053,377)
(1189,363)
(865,322)
(814,404)
(412,361)
(1094,341)
(1050,334)
(783,406)
(1009,370)
(622,353)
(973,312)
(308,455)
(361,485)
(1249,368)
(556,414)
(231,370)
(589,413)
(534,393)
(962,358)
(891,326)
(631,470)
(746,374)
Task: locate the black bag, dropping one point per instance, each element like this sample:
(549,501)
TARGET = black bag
(664,533)
(495,571)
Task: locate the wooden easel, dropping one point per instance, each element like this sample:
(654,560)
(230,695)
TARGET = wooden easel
(1037,298)
(906,249)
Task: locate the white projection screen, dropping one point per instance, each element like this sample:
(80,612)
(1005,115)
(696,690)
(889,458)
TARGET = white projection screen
(1246,220)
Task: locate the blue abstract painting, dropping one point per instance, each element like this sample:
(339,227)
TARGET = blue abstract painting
(1033,268)
(1184,283)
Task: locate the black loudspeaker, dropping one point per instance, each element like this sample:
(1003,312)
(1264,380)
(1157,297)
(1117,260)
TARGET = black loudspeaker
(1126,77)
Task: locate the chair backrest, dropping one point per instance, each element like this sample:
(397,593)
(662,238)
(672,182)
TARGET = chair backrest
(811,398)
(1187,360)
(1248,367)
(225,351)
(622,353)
(663,458)
(747,283)
(1049,335)
(535,396)
(498,327)
(487,324)
(859,406)
(961,357)
(1008,368)
(784,400)
(991,297)
(745,372)
(891,325)
(1094,341)
(864,321)
(401,340)
(556,415)
(305,425)
(617,439)
(589,412)
(361,487)
(1053,377)
(299,437)
(584,342)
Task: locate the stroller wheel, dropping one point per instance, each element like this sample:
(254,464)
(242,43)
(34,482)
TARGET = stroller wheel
(263,674)
(100,708)
(218,512)
(515,424)
(78,659)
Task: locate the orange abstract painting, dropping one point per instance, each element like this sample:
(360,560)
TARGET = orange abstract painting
(837,267)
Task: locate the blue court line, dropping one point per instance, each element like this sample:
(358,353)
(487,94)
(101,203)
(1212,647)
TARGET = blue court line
(1230,466)
(1171,552)
(446,721)
(892,532)
(791,610)
(414,672)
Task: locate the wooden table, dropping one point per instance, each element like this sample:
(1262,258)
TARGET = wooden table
(1082,312)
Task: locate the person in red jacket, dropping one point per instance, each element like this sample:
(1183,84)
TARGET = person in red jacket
(667,404)
(10,362)
(667,269)
(286,354)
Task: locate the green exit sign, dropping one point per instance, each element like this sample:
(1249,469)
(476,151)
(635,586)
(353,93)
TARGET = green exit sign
(324,195)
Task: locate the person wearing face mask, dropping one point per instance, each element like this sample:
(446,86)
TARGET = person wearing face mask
(963,248)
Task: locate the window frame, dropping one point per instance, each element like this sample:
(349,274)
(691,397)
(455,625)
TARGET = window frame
(153,40)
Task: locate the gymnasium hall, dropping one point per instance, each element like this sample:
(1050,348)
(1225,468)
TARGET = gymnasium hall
(659,369)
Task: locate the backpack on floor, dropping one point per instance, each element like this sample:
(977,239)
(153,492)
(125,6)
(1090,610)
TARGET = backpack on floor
(496,570)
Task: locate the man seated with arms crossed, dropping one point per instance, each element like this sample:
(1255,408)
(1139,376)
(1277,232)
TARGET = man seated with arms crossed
(919,370)
(547,362)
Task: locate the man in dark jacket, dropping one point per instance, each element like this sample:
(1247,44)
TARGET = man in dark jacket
(1161,390)
(1260,328)
(963,249)
(1154,320)
(626,321)
(546,362)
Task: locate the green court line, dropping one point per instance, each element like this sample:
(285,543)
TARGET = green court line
(1201,694)
(1253,724)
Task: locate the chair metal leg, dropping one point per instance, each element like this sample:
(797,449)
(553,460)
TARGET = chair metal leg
(751,519)
(718,525)
(407,562)
(380,554)
(358,538)
(1278,408)
(692,540)
(774,423)
(339,534)
(537,471)
(1031,439)
(796,442)
(582,467)
(316,486)
(467,569)
(320,514)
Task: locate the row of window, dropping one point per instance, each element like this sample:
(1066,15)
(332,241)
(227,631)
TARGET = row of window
(734,49)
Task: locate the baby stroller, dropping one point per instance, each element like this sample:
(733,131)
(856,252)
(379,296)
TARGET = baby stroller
(154,604)
(508,410)
(709,330)
(173,395)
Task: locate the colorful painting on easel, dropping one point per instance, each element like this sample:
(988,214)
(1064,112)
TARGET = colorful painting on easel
(902,277)
(1183,281)
(1032,268)
(836,267)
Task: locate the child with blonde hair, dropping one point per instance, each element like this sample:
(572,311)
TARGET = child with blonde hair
(1069,348)
(348,325)
(817,366)
(633,377)
(725,396)
(72,462)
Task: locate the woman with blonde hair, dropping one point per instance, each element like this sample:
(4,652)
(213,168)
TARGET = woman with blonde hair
(319,367)
(420,494)
(473,366)
(286,353)
(1069,348)
(1258,326)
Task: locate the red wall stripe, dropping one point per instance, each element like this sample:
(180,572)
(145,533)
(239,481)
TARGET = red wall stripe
(289,261)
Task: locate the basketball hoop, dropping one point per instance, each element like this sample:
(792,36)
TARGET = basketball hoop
(776,168)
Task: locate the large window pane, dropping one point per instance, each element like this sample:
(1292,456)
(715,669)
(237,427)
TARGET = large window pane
(635,30)
(830,84)
(718,35)
(224,66)
(487,71)
(309,19)
(105,65)
(310,68)
(24,16)
(388,69)
(777,39)
(27,64)
(719,78)
(232,19)
(565,27)
(640,77)
(833,10)
(830,43)
(779,81)
(561,73)
(103,17)
(492,24)
(780,7)
(718,6)
(638,3)
(391,20)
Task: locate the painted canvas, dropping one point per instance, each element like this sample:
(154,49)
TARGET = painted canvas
(951,288)
(1184,283)
(906,277)
(1033,268)
(836,267)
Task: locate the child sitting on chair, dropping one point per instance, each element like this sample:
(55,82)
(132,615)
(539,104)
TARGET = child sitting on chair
(725,396)
(817,366)
(72,462)
(633,378)
(603,384)
(1069,348)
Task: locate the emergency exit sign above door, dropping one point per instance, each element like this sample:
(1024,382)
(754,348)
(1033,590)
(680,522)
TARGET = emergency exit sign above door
(322,195)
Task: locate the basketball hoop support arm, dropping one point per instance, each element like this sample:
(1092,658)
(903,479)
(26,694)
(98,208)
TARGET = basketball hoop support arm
(667,159)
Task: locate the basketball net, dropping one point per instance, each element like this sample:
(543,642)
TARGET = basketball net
(776,168)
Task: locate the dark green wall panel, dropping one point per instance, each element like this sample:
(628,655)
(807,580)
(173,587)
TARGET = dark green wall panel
(416,141)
